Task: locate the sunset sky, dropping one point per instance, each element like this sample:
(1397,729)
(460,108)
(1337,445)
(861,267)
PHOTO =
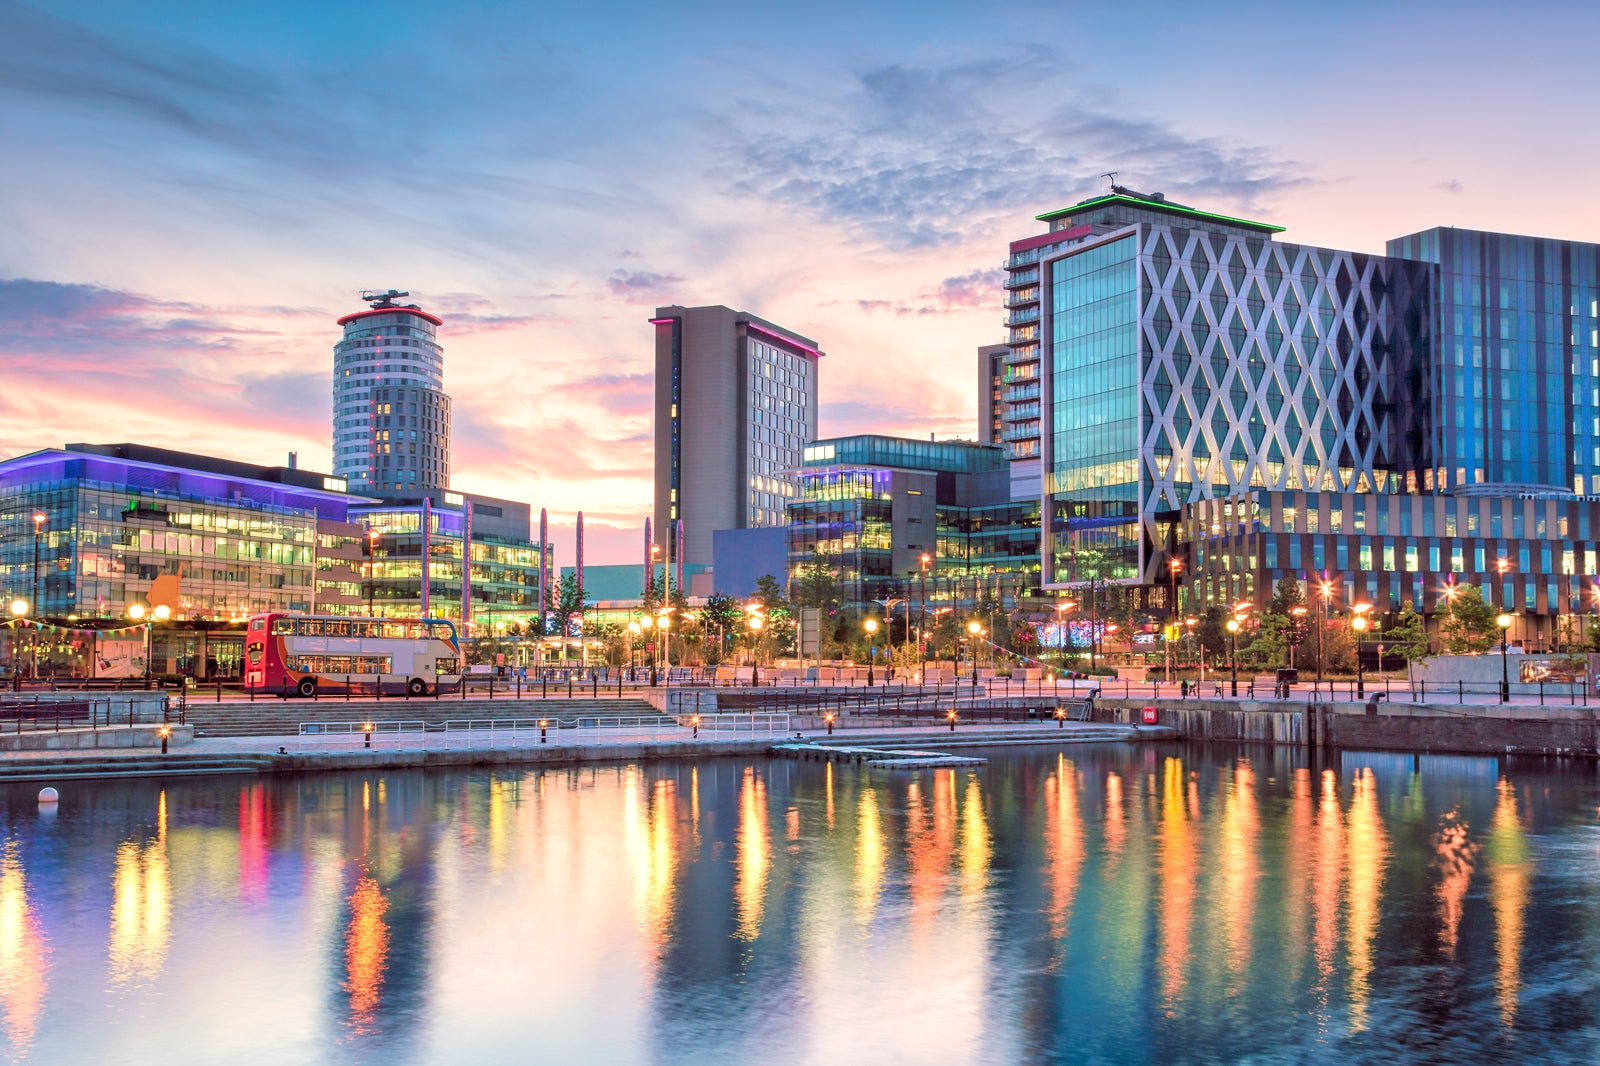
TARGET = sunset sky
(191,194)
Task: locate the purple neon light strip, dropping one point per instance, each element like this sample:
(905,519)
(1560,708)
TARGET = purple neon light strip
(753,328)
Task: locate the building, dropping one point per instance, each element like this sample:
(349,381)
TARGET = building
(1244,409)
(500,585)
(736,401)
(876,506)
(125,525)
(992,406)
(391,417)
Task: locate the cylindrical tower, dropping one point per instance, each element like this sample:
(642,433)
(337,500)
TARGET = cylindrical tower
(391,417)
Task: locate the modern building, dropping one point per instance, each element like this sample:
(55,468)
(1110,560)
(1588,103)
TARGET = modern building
(1202,379)
(736,401)
(391,417)
(124,525)
(502,582)
(875,506)
(992,384)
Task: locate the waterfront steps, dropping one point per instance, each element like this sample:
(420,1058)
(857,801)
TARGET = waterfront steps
(275,717)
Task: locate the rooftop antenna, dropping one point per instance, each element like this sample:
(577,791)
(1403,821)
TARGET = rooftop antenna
(380,301)
(1110,176)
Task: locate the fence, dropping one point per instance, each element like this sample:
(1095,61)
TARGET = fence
(52,711)
(387,736)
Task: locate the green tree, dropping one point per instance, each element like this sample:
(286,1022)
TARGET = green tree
(1408,637)
(1468,627)
(720,618)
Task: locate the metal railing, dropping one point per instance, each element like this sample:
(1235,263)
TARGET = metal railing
(345,736)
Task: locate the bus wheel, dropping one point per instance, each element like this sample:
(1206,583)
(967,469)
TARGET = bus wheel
(307,687)
(417,687)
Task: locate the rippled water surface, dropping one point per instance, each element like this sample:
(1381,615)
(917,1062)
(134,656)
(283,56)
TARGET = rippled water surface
(1108,904)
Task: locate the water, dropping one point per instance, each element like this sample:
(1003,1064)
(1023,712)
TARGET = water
(1120,904)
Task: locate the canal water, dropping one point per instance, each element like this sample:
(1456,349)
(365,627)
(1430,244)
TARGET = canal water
(1115,904)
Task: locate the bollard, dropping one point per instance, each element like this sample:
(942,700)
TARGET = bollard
(829,719)
(367,730)
(347,688)
(1061,718)
(594,683)
(951,714)
(569,684)
(695,721)
(1461,692)
(219,688)
(544,686)
(491,686)
(542,724)
(519,687)
(165,733)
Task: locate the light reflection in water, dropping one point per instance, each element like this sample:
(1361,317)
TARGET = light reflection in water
(24,955)
(871,854)
(976,849)
(1240,870)
(1454,856)
(754,855)
(141,906)
(1327,878)
(1368,849)
(1064,843)
(366,953)
(1176,878)
(1044,908)
(1510,876)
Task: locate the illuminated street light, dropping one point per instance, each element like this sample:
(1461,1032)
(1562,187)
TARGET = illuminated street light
(1504,622)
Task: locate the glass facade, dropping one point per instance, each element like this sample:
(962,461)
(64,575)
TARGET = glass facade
(504,581)
(1516,371)
(226,548)
(779,382)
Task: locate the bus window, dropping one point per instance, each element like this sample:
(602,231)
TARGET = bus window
(444,666)
(394,630)
(336,628)
(282,627)
(439,630)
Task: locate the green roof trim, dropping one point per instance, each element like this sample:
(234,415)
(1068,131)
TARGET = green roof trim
(1157,205)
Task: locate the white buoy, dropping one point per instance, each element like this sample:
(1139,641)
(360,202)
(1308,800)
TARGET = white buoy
(48,797)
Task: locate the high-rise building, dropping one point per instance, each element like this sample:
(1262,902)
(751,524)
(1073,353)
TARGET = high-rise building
(391,417)
(736,401)
(992,406)
(1389,426)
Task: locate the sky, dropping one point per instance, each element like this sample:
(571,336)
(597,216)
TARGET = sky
(191,193)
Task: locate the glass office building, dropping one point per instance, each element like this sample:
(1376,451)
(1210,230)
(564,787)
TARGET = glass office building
(120,522)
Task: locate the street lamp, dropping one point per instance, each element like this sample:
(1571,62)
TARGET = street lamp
(974,629)
(1233,657)
(755,622)
(871,626)
(1359,625)
(19,607)
(634,628)
(1504,622)
(1296,632)
(646,623)
(922,623)
(372,577)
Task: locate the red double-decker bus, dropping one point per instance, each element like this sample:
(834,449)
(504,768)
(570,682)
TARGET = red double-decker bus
(303,654)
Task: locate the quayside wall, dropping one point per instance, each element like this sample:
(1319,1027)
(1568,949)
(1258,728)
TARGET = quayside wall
(1393,727)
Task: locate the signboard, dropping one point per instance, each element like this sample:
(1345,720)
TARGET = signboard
(1559,671)
(808,634)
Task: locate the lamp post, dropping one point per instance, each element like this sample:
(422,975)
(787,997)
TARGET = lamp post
(1326,594)
(1296,632)
(755,623)
(1360,624)
(19,607)
(1504,622)
(1233,656)
(1061,630)
(633,632)
(33,641)
(871,626)
(922,623)
(372,577)
(973,628)
(647,623)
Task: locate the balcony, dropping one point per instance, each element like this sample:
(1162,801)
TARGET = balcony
(1026,316)
(1022,431)
(1024,356)
(1021,278)
(1022,412)
(1022,259)
(1020,393)
(1023,297)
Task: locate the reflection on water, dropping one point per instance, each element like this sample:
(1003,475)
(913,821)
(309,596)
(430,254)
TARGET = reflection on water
(1119,904)
(24,954)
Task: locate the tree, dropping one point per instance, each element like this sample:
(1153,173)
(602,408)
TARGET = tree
(1407,637)
(721,615)
(1468,627)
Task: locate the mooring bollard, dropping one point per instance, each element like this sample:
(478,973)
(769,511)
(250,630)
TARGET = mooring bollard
(542,724)
(165,733)
(829,719)
(695,721)
(366,728)
(951,714)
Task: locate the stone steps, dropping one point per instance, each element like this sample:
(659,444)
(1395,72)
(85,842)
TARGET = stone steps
(283,717)
(53,769)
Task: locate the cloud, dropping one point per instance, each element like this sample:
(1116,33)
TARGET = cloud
(978,289)
(916,156)
(1453,185)
(636,284)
